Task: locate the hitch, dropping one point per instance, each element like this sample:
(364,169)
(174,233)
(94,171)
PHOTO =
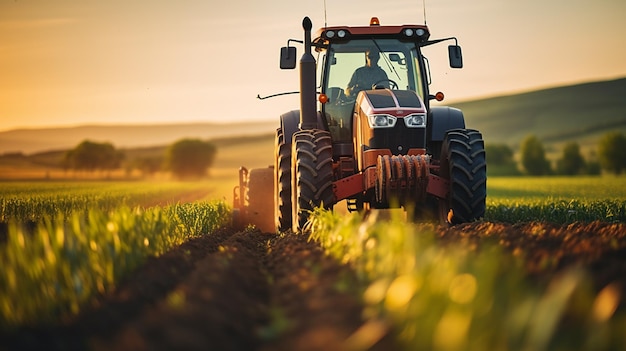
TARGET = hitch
(239,199)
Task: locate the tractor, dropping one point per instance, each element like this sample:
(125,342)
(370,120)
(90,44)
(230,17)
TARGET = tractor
(379,146)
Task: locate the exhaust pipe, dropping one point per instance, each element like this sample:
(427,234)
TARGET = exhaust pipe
(308,106)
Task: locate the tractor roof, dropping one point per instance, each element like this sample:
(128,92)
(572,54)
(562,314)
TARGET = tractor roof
(342,33)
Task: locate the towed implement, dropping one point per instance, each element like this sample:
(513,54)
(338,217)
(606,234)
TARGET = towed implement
(367,134)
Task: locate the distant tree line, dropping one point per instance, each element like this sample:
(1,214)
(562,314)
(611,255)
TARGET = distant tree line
(533,160)
(91,156)
(185,159)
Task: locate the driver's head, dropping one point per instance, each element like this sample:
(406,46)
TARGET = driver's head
(372,56)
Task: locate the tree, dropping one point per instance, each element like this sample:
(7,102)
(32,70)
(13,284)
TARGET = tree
(149,165)
(533,156)
(499,154)
(572,162)
(190,158)
(500,160)
(611,152)
(92,156)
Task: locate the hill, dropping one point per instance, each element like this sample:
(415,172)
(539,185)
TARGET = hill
(581,112)
(254,151)
(123,136)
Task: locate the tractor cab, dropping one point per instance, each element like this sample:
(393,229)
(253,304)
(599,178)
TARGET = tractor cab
(398,60)
(343,59)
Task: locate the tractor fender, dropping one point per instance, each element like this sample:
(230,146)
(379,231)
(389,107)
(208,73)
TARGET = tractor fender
(444,118)
(290,123)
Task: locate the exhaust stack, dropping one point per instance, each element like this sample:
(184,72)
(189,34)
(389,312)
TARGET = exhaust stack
(308,110)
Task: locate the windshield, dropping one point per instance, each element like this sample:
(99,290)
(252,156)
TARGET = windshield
(360,64)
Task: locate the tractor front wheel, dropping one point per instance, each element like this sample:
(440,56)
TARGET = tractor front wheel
(463,163)
(312,176)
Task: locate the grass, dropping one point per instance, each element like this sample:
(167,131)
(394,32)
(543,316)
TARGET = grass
(529,189)
(31,201)
(556,199)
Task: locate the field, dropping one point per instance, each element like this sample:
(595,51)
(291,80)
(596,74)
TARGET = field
(157,266)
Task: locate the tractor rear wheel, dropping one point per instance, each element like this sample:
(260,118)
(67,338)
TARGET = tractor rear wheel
(260,199)
(312,177)
(282,182)
(463,163)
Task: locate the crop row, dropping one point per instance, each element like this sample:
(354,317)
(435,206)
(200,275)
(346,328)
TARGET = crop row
(32,201)
(53,269)
(556,211)
(455,297)
(556,199)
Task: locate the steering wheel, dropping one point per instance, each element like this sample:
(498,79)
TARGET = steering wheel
(392,84)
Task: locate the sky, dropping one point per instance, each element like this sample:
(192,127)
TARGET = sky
(74,62)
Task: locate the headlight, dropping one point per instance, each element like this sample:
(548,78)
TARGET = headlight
(408,32)
(420,32)
(330,34)
(415,121)
(381,121)
(341,33)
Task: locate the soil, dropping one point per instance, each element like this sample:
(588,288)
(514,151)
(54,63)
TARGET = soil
(246,290)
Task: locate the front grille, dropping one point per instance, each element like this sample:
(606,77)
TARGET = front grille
(398,139)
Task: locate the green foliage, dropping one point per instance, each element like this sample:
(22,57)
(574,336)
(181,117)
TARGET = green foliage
(190,158)
(593,168)
(572,161)
(499,154)
(52,270)
(62,243)
(149,165)
(500,160)
(533,156)
(455,296)
(611,152)
(92,156)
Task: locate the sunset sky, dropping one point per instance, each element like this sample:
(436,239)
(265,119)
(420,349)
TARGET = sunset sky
(71,62)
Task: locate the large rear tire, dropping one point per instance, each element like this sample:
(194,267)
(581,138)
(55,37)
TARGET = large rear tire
(312,177)
(260,199)
(282,182)
(463,163)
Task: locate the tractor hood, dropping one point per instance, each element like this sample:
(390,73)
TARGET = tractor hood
(396,103)
(394,120)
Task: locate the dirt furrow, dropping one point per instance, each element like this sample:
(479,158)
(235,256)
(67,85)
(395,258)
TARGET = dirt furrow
(227,291)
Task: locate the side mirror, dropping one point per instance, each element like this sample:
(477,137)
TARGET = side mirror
(456,59)
(288,57)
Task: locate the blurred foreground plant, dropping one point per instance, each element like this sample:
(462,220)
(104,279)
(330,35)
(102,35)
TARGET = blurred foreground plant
(52,270)
(445,296)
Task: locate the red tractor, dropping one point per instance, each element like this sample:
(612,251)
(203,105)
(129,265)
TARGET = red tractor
(376,144)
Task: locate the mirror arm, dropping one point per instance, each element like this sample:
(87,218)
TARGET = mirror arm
(274,95)
(294,40)
(431,42)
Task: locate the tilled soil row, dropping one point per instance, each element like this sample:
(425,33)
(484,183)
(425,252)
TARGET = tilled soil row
(548,248)
(226,291)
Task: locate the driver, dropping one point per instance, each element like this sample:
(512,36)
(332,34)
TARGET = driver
(364,77)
